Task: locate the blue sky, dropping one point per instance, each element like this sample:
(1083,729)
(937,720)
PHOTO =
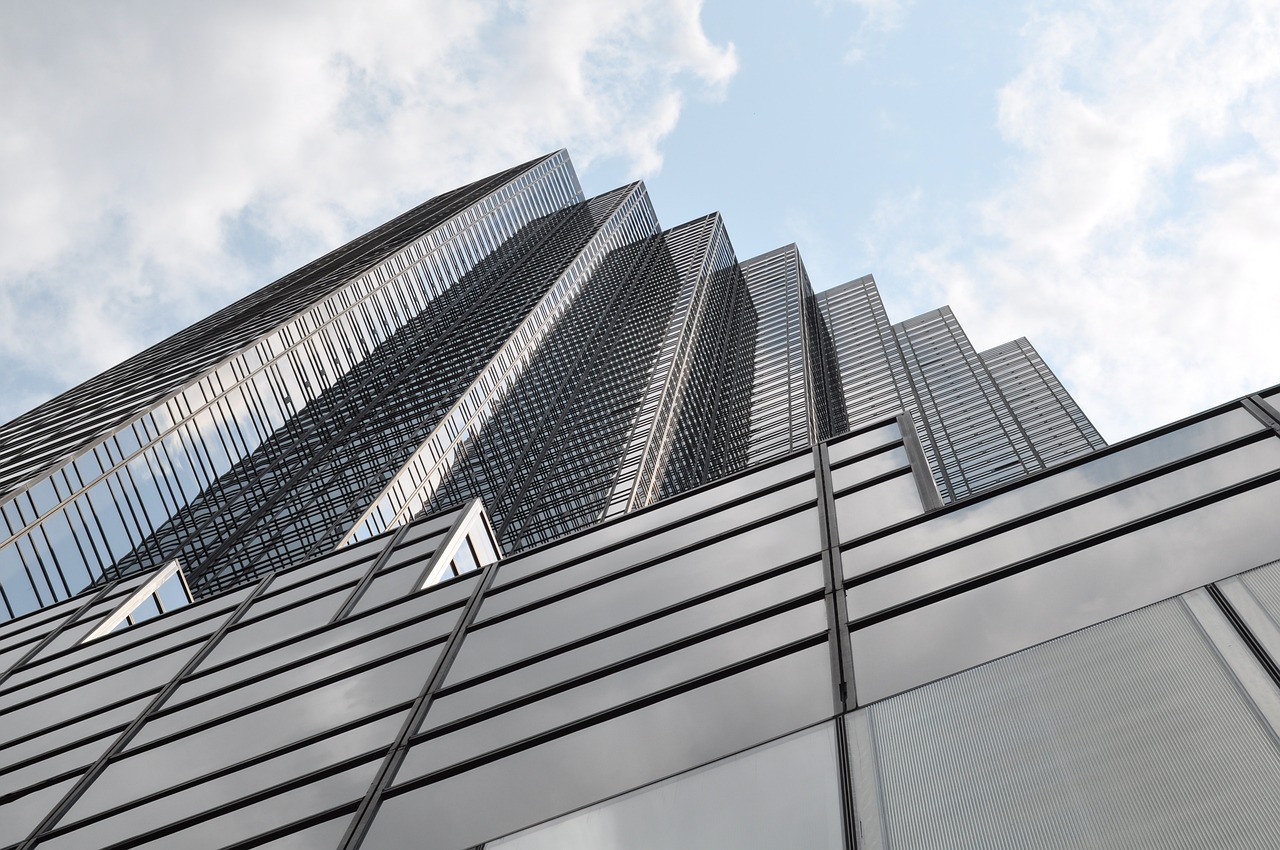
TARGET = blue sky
(1103,178)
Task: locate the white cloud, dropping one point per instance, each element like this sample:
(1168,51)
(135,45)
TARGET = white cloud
(163,158)
(1137,242)
(877,18)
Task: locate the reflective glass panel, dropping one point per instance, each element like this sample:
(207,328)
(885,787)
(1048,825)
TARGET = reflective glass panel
(638,526)
(611,757)
(847,447)
(139,654)
(23,814)
(290,805)
(90,696)
(864,511)
(11,656)
(784,794)
(778,542)
(844,477)
(68,760)
(1064,484)
(131,778)
(320,837)
(325,705)
(617,688)
(345,578)
(394,584)
(285,657)
(1071,592)
(41,622)
(1132,733)
(417,552)
(1058,529)
(617,647)
(343,560)
(266,631)
(83,727)
(632,595)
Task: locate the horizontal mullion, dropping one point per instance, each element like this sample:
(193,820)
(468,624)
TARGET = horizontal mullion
(1039,513)
(1057,552)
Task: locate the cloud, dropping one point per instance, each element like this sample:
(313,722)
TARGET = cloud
(877,18)
(162,159)
(1137,241)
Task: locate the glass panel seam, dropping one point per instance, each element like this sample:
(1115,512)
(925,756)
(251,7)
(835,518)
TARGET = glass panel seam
(1066,549)
(95,770)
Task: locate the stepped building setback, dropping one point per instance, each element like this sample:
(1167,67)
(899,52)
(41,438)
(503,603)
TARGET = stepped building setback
(521,522)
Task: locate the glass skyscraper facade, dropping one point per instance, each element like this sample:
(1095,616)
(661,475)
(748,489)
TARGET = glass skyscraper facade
(564,359)
(982,418)
(522,522)
(801,654)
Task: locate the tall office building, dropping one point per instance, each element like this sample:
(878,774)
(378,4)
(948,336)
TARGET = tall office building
(562,358)
(983,419)
(523,523)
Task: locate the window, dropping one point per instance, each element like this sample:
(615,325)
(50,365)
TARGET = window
(469,546)
(165,591)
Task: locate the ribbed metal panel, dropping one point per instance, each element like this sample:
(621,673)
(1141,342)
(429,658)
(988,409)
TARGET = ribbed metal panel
(1264,584)
(1129,734)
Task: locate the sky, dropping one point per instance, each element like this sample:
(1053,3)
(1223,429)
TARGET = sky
(1100,177)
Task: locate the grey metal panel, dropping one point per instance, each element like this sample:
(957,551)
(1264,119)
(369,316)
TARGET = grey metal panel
(1132,733)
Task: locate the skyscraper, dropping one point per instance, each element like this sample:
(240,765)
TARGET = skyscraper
(563,359)
(982,419)
(523,523)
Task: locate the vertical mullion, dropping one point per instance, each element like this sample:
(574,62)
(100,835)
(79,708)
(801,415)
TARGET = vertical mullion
(368,808)
(122,740)
(844,695)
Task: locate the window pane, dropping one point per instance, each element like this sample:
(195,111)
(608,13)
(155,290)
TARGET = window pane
(785,794)
(646,636)
(1109,469)
(633,595)
(320,708)
(325,835)
(844,448)
(1132,733)
(255,635)
(397,585)
(287,656)
(120,661)
(88,697)
(1058,529)
(172,594)
(129,779)
(416,553)
(274,601)
(347,561)
(286,807)
(67,760)
(634,528)
(146,610)
(23,814)
(1066,594)
(611,757)
(630,683)
(878,464)
(63,734)
(864,511)
(180,627)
